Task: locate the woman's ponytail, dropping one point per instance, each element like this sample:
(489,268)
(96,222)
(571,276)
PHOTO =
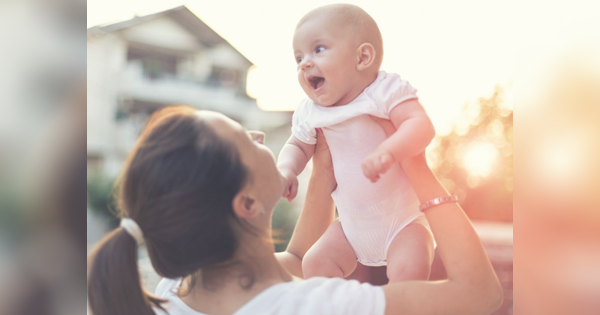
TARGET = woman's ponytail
(114,285)
(177,187)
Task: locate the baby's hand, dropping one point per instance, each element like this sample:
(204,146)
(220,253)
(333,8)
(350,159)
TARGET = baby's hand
(377,163)
(290,183)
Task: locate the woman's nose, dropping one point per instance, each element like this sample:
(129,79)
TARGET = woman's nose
(258,136)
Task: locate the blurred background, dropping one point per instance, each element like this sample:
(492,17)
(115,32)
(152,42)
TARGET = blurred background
(236,58)
(42,157)
(468,59)
(557,169)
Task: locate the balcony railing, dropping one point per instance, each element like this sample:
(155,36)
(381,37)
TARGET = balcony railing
(169,89)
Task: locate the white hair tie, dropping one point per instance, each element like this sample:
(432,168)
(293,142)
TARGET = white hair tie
(133,229)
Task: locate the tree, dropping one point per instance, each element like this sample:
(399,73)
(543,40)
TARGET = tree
(475,161)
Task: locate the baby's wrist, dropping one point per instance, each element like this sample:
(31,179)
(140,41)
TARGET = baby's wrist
(383,149)
(288,173)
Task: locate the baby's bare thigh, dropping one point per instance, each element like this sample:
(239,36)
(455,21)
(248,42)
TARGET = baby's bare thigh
(333,247)
(410,254)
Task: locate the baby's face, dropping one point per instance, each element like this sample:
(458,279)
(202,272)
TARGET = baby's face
(326,57)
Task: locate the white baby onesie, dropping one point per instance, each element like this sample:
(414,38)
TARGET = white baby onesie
(371,214)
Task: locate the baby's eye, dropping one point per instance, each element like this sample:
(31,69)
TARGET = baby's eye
(319,49)
(299,59)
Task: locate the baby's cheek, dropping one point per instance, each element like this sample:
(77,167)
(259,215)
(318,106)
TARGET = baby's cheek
(303,85)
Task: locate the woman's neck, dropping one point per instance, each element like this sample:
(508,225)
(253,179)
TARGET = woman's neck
(237,285)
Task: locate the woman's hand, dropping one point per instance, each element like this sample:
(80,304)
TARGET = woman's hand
(322,163)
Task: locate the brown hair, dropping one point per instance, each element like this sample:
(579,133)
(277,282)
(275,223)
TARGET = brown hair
(178,185)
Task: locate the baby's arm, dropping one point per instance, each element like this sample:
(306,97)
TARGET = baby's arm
(291,162)
(414,132)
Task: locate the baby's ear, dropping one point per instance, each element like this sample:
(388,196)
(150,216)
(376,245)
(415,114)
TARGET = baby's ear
(366,56)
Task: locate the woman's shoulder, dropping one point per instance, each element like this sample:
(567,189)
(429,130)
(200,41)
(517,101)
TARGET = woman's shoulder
(319,296)
(312,296)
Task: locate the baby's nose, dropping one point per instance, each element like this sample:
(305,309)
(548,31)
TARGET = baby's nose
(306,64)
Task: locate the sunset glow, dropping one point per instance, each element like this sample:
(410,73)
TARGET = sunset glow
(561,159)
(479,159)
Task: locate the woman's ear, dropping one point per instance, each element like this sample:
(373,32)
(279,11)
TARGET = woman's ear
(366,56)
(245,206)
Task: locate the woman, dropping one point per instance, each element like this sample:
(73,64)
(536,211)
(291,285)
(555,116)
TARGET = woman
(200,190)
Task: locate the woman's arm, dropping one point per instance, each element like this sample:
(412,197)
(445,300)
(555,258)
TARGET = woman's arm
(318,211)
(472,286)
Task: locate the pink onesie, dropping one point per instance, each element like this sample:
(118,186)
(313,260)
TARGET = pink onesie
(371,214)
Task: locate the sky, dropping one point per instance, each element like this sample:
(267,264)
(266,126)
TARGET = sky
(452,51)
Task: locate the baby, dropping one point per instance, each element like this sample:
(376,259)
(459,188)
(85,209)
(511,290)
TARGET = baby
(338,49)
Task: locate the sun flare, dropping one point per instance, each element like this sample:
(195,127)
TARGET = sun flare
(480,159)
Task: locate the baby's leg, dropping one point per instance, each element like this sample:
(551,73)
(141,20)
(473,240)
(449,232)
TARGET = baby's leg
(410,255)
(330,256)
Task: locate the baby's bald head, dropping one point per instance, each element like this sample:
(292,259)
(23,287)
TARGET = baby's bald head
(358,23)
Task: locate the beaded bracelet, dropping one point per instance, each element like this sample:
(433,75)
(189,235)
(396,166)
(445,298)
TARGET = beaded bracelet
(438,201)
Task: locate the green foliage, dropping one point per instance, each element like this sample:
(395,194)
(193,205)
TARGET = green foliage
(284,220)
(11,216)
(101,198)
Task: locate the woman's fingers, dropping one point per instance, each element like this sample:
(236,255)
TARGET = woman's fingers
(320,136)
(321,141)
(322,154)
(322,162)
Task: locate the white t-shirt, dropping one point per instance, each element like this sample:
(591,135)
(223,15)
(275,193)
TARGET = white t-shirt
(315,296)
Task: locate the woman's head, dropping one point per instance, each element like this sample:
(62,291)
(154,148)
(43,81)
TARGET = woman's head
(265,185)
(193,183)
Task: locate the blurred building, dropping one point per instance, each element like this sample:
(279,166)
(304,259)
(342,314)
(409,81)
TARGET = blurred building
(137,66)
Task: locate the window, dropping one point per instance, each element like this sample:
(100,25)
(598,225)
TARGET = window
(155,64)
(223,77)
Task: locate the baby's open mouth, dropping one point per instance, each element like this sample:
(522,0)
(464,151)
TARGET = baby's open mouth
(316,82)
